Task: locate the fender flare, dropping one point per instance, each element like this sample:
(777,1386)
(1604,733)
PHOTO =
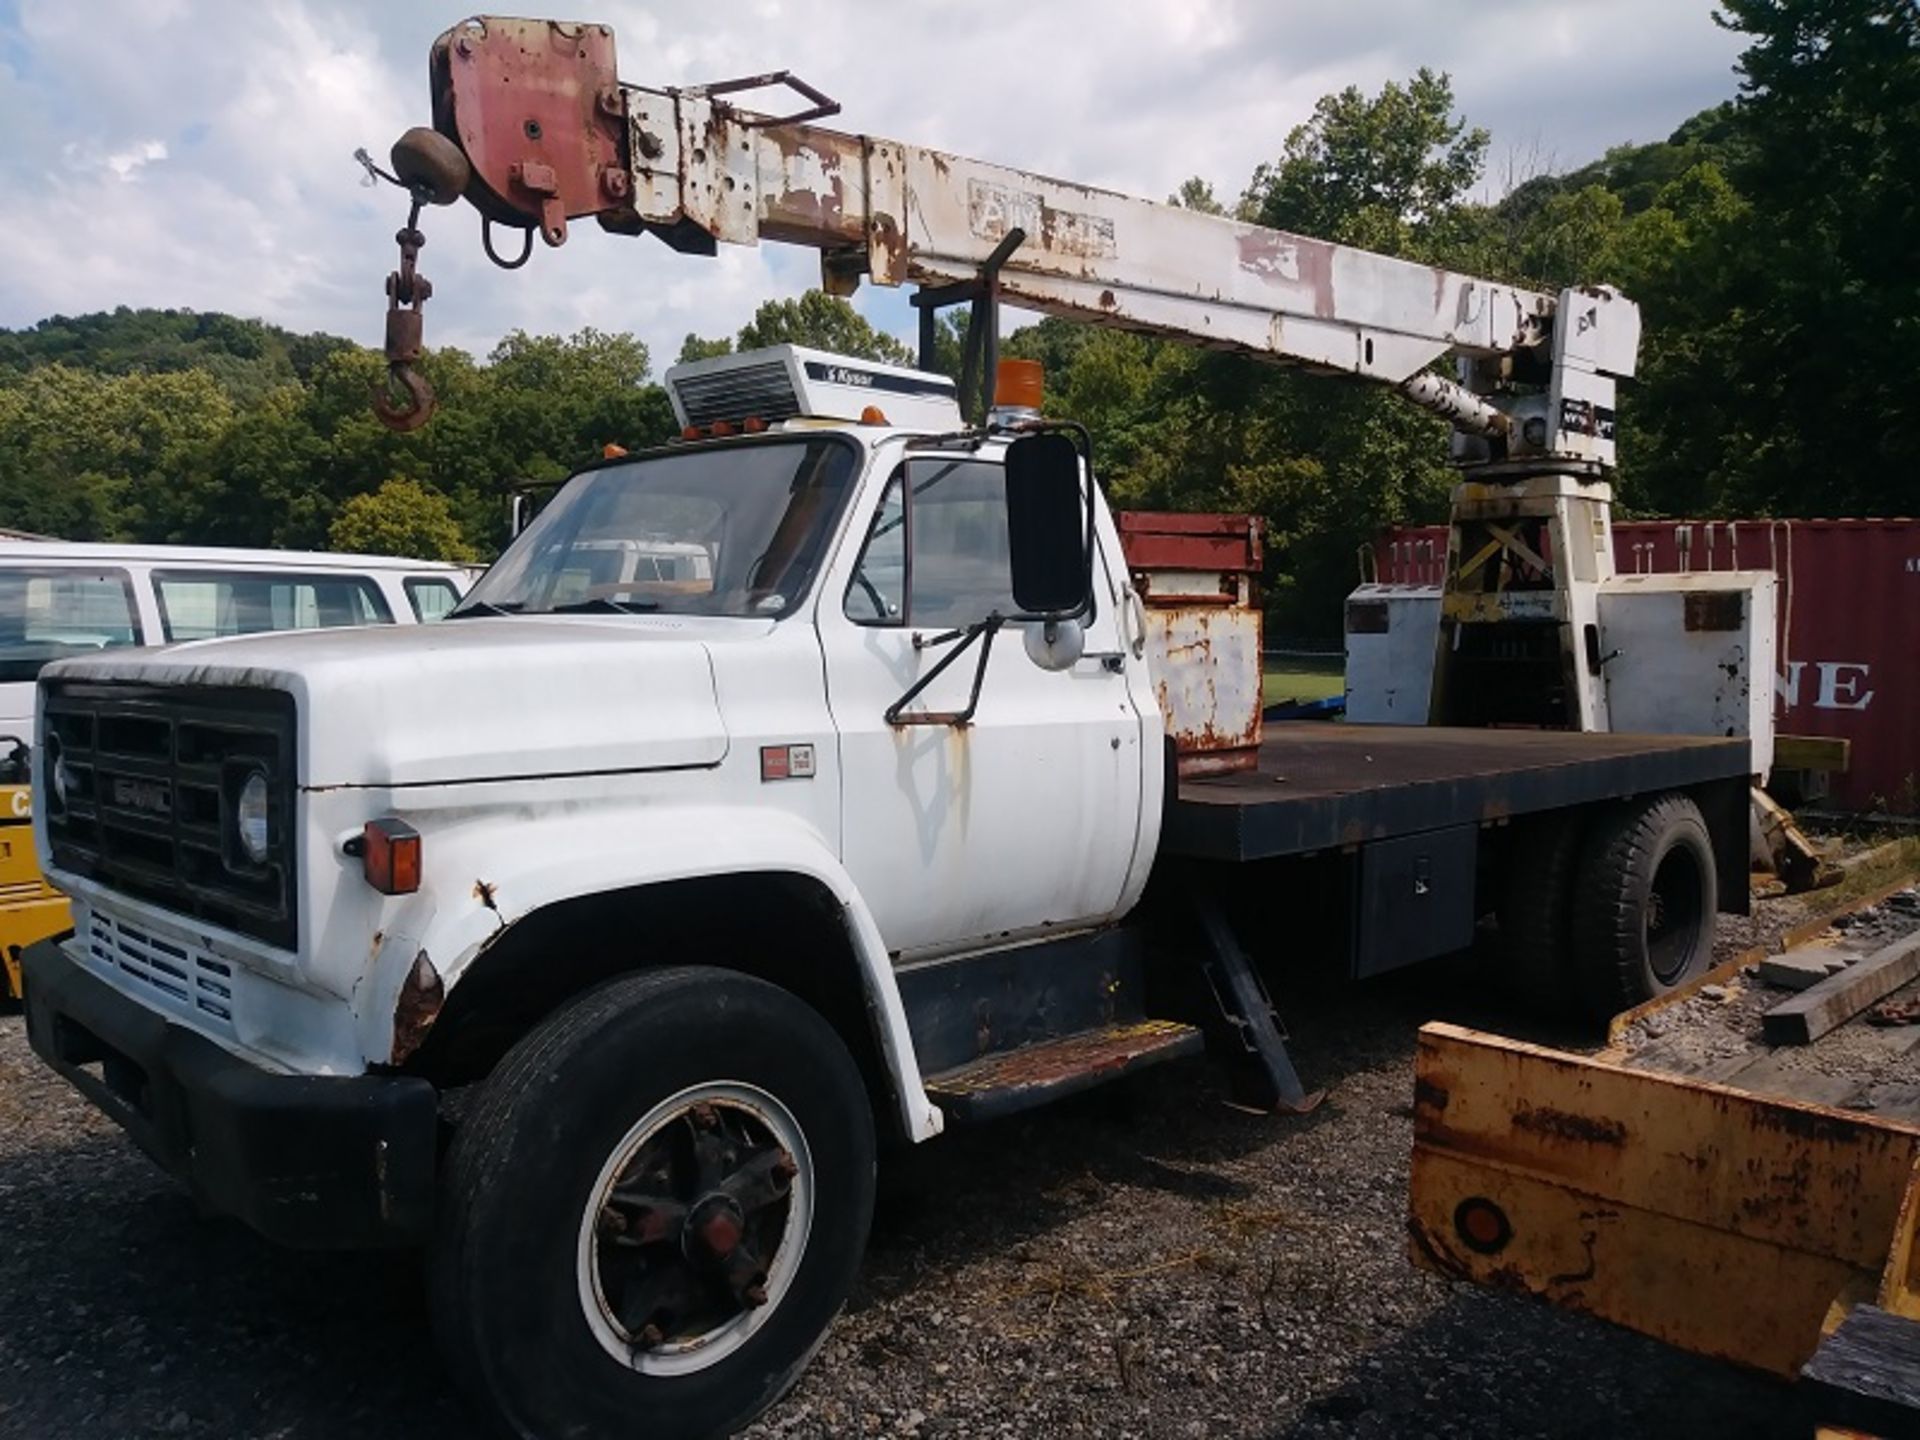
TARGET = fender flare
(469,898)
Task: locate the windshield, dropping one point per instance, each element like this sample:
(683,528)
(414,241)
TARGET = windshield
(49,614)
(738,530)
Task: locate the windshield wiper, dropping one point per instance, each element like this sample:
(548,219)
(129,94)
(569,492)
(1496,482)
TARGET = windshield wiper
(482,607)
(607,603)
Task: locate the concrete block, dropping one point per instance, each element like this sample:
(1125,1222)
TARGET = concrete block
(1799,971)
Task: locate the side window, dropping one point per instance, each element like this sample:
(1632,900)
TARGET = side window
(202,604)
(960,567)
(431,599)
(49,613)
(952,527)
(877,593)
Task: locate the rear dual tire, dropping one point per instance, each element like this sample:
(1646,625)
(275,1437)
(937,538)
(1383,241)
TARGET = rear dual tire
(1608,911)
(564,1305)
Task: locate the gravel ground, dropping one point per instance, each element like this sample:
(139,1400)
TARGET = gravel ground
(1143,1262)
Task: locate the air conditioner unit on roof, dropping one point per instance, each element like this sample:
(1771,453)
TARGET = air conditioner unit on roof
(785,381)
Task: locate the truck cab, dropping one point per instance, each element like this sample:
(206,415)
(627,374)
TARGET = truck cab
(717,705)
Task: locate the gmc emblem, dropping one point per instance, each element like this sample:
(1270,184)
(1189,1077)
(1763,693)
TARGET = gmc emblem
(154,797)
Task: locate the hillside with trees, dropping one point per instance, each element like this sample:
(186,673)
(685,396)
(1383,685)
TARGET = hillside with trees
(1773,242)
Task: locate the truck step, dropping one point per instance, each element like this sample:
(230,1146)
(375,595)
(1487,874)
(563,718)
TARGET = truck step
(1037,1074)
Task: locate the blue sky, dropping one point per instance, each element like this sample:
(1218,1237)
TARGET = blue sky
(198,152)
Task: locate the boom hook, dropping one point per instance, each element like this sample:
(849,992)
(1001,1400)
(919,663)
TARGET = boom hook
(433,171)
(407,291)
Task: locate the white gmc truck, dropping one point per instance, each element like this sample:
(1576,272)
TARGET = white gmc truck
(597,937)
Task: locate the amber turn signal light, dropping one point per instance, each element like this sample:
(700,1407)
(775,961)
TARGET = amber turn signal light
(390,856)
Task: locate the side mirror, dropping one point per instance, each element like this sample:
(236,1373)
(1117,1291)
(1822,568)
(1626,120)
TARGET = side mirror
(1049,527)
(1055,644)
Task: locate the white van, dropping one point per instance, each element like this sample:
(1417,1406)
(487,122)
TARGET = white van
(58,600)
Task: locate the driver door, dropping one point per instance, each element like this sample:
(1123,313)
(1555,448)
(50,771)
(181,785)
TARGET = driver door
(1021,821)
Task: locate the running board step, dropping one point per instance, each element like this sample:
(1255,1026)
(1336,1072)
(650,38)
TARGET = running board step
(996,1085)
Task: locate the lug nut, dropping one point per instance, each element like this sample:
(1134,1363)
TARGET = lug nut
(755,1296)
(650,1336)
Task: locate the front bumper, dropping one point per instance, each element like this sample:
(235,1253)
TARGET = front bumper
(317,1162)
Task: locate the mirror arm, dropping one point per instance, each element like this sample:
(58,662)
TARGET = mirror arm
(982,631)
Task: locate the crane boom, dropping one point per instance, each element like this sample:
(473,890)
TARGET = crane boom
(551,135)
(533,126)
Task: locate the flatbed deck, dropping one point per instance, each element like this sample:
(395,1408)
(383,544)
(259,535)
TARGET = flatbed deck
(1322,785)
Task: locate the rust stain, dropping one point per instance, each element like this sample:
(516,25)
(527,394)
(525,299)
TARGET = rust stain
(1292,261)
(1045,1064)
(887,249)
(1430,1095)
(1564,1125)
(421,996)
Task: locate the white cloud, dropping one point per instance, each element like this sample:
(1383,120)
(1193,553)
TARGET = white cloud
(203,158)
(125,162)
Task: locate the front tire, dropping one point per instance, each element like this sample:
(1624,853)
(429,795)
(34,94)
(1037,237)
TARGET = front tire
(653,1210)
(1644,904)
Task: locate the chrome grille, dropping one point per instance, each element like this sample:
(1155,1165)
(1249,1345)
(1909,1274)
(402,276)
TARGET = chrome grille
(152,778)
(762,392)
(191,976)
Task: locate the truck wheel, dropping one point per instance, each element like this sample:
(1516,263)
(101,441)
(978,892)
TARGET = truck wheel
(1536,914)
(1643,904)
(653,1210)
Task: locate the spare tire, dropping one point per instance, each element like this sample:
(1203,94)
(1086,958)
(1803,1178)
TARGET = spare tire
(1643,904)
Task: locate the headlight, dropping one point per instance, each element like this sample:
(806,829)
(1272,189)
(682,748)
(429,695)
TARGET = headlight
(250,817)
(58,775)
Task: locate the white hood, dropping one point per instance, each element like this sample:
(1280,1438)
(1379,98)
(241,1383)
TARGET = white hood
(477,699)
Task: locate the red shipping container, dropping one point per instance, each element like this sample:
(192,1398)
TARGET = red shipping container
(1849,622)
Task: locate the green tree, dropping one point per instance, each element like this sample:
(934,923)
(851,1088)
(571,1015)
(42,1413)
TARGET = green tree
(1197,194)
(402,517)
(695,348)
(825,322)
(1386,173)
(1809,377)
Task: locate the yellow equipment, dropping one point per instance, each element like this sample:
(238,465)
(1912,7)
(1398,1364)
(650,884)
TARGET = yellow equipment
(30,909)
(1735,1225)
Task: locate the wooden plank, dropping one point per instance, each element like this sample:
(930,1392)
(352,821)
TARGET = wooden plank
(1812,752)
(1834,1001)
(1866,1374)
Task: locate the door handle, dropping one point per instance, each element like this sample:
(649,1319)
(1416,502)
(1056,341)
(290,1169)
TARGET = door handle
(1136,622)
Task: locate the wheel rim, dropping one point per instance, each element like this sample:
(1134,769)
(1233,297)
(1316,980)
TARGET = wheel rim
(695,1228)
(1674,909)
